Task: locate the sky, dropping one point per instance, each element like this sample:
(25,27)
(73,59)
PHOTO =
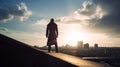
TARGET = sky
(90,21)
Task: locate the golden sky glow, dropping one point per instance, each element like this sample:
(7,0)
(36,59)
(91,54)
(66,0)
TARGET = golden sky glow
(73,36)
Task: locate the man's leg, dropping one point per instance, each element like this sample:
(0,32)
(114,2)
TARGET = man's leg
(49,48)
(56,48)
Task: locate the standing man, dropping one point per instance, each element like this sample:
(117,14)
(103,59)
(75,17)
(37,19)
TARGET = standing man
(52,34)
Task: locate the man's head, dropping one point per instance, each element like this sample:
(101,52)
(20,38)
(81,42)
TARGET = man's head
(51,20)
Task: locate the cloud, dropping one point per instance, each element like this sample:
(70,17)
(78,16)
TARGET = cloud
(8,12)
(89,11)
(101,16)
(41,22)
(4,29)
(34,38)
(98,16)
(109,23)
(88,15)
(31,38)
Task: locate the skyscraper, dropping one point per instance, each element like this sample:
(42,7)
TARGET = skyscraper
(96,45)
(80,44)
(86,45)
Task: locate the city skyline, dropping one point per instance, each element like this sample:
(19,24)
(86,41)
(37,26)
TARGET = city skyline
(89,21)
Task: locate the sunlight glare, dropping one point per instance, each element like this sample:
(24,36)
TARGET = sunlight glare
(73,37)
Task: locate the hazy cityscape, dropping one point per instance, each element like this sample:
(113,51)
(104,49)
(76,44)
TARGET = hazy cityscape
(94,53)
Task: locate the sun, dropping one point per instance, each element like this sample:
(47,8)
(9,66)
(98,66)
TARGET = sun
(72,37)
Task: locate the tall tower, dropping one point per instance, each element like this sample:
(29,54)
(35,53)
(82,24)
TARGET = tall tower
(96,45)
(80,44)
(86,45)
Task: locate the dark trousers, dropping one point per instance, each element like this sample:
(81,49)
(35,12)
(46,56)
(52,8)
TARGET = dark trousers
(56,48)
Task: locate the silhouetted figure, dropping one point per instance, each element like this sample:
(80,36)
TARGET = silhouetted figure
(52,34)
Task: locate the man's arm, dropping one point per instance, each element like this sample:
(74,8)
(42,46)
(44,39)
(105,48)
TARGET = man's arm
(57,31)
(47,31)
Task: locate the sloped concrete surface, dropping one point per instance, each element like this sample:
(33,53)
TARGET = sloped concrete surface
(17,54)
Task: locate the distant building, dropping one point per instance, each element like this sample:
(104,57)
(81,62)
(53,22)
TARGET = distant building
(96,45)
(80,44)
(86,45)
(66,45)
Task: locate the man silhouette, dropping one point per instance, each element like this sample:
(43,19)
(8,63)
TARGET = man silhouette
(52,34)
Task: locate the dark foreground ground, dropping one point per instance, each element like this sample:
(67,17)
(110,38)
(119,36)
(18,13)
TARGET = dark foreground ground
(17,54)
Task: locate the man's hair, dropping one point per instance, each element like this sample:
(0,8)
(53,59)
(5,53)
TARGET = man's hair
(52,20)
